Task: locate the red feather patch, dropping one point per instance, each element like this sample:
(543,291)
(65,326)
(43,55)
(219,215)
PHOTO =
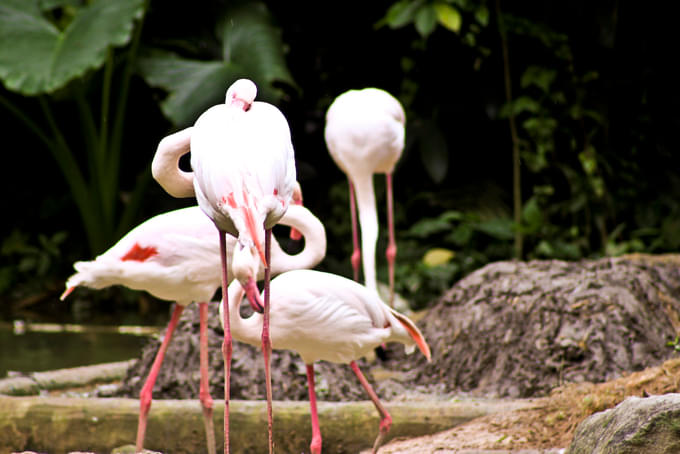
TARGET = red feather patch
(139,253)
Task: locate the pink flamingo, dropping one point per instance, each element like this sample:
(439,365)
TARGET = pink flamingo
(365,135)
(323,316)
(243,178)
(175,256)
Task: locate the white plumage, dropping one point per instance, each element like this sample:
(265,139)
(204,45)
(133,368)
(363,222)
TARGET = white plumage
(365,135)
(243,179)
(175,256)
(323,316)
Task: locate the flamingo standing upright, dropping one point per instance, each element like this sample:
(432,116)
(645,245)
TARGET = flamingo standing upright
(365,135)
(323,316)
(175,256)
(243,178)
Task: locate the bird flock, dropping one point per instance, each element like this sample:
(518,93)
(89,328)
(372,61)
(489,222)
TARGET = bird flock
(243,178)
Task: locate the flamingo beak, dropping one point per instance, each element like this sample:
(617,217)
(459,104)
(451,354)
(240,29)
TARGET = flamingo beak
(66,293)
(253,295)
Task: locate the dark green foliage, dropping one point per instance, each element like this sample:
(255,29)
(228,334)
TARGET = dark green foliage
(594,99)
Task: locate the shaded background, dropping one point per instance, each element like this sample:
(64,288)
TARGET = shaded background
(594,98)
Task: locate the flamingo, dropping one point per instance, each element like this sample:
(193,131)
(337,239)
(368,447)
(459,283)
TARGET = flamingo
(323,316)
(243,178)
(174,256)
(365,135)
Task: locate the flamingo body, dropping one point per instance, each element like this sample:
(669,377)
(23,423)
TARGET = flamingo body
(323,316)
(225,181)
(365,131)
(175,256)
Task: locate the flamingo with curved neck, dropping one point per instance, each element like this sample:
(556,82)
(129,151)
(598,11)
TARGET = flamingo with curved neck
(174,256)
(323,316)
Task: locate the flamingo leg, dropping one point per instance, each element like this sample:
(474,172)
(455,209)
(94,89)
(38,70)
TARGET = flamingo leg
(266,339)
(385,418)
(147,389)
(204,393)
(391,252)
(315,446)
(226,344)
(356,253)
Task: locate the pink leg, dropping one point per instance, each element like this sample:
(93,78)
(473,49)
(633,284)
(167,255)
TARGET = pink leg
(385,418)
(391,252)
(266,340)
(315,446)
(356,254)
(204,393)
(226,344)
(147,389)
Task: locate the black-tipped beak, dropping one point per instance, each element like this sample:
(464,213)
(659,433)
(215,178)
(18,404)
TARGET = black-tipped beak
(253,295)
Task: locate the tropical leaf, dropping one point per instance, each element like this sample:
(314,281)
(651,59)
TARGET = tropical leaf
(251,47)
(192,85)
(36,57)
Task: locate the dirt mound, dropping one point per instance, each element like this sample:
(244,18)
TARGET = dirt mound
(179,375)
(510,329)
(520,329)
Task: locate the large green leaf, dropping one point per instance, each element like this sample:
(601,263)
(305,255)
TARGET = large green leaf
(36,57)
(192,85)
(251,47)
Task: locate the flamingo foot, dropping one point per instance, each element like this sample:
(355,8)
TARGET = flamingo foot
(385,426)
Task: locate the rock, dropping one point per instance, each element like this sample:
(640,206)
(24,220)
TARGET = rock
(649,425)
(519,329)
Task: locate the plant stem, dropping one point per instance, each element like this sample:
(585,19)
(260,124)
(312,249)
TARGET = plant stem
(101,179)
(130,209)
(74,178)
(516,163)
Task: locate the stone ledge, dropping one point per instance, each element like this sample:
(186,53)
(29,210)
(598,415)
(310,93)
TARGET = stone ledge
(66,424)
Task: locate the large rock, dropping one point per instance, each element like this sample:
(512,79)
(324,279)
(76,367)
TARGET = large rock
(637,425)
(520,329)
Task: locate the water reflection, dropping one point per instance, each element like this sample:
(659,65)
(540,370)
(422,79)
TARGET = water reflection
(41,347)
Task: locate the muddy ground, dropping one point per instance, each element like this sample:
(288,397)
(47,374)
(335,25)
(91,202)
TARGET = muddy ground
(549,330)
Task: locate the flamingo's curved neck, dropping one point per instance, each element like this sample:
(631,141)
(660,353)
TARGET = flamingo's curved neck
(314,233)
(368,219)
(246,330)
(165,165)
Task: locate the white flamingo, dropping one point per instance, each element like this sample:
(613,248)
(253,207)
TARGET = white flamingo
(175,256)
(243,178)
(323,316)
(365,135)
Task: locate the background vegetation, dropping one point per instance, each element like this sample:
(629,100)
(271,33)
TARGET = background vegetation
(535,129)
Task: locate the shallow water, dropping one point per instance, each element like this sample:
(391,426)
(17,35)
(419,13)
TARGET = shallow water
(33,351)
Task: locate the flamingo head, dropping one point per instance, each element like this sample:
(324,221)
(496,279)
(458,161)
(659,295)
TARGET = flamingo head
(241,94)
(246,267)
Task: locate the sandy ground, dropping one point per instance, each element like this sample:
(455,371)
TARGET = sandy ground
(547,426)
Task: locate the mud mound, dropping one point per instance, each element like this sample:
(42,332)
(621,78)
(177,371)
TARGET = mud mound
(179,375)
(519,329)
(510,329)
